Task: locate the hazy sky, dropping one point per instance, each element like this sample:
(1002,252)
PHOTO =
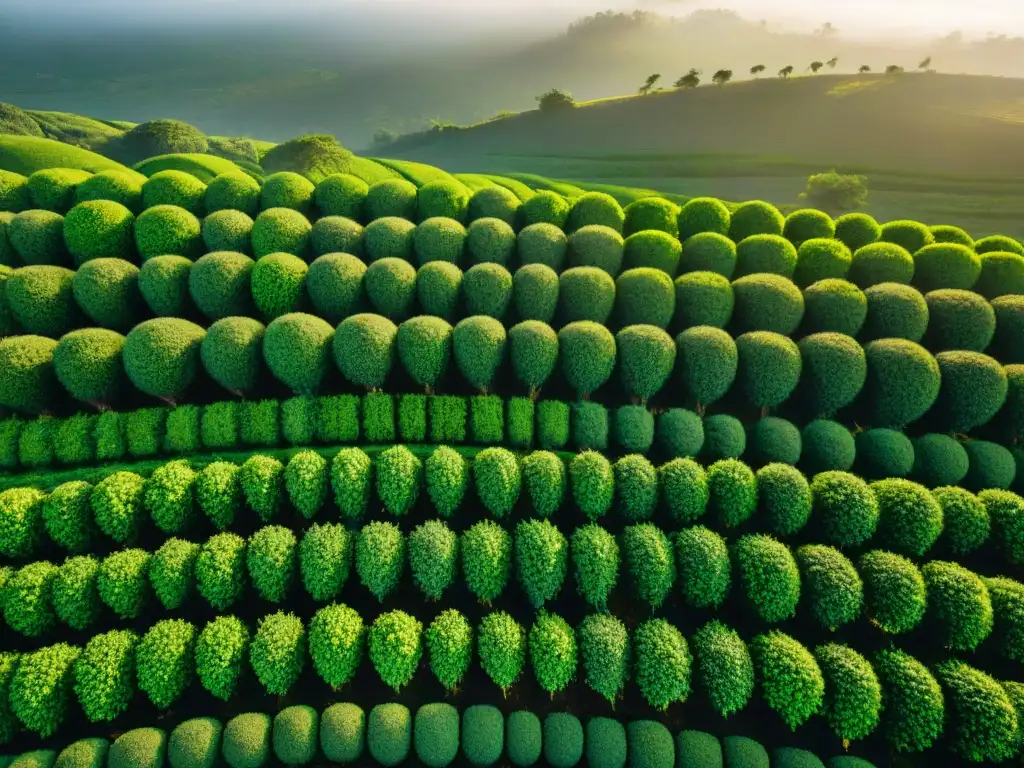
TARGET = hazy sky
(977,17)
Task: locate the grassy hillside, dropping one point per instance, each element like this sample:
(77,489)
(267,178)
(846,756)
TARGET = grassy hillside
(27,154)
(933,146)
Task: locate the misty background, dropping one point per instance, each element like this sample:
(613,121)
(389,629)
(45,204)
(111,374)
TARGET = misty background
(274,70)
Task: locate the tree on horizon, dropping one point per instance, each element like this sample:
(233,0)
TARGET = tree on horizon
(831,63)
(864,68)
(644,89)
(816,66)
(690,80)
(721,77)
(786,71)
(757,69)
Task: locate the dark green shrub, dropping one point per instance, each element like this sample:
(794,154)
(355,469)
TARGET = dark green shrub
(705,573)
(911,235)
(644,296)
(9,725)
(939,460)
(174,188)
(270,559)
(741,752)
(487,290)
(606,743)
(646,356)
(595,558)
(585,293)
(836,306)
(965,521)
(221,649)
(605,655)
(542,244)
(765,254)
(335,285)
(697,749)
(520,422)
(483,736)
(789,677)
(486,559)
(278,284)
(596,246)
(449,640)
(446,476)
(881,262)
(219,284)
(634,428)
(279,230)
(325,556)
(1007,598)
(552,645)
(587,354)
(163,283)
(680,433)
(834,369)
(161,356)
(542,558)
(164,664)
(479,349)
(38,238)
(342,733)
(398,474)
(636,486)
(233,191)
(490,241)
(821,259)
(231,353)
(703,214)
(662,666)
(295,735)
(259,423)
(544,476)
(650,745)
(23,513)
(27,380)
(105,675)
(545,207)
(172,572)
(389,237)
(425,347)
(708,252)
(195,743)
(732,492)
(595,208)
(910,518)
(772,439)
(246,741)
(769,577)
(535,289)
(433,554)
(439,239)
(364,349)
(395,646)
(183,434)
(534,352)
(220,570)
(1006,511)
(844,507)
(123,582)
(436,734)
(1000,243)
(84,753)
(168,229)
(703,298)
(652,249)
(296,348)
(117,504)
(563,740)
(72,439)
(118,186)
(652,213)
(914,709)
(286,189)
(391,287)
(902,384)
(982,717)
(65,513)
(41,299)
(959,607)
(724,668)
(100,228)
(169,496)
(991,466)
(593,483)
(341,194)
(768,367)
(278,652)
(447,419)
(895,312)
(651,563)
(552,424)
(219,426)
(138,748)
(883,453)
(35,442)
(1009,329)
(724,438)
(894,591)
(784,497)
(336,235)
(1001,274)
(974,388)
(28,602)
(832,586)
(589,426)
(380,558)
(945,265)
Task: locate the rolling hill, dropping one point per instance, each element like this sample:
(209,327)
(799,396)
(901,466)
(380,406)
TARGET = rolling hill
(933,146)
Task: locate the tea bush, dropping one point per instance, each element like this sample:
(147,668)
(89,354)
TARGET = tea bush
(220,570)
(652,249)
(105,675)
(337,641)
(894,591)
(605,655)
(553,652)
(100,229)
(41,300)
(221,649)
(174,188)
(704,568)
(703,214)
(486,559)
(765,254)
(662,666)
(278,652)
(789,677)
(163,661)
(168,229)
(541,558)
(724,668)
(651,562)
(644,296)
(595,559)
(959,607)
(395,647)
(769,577)
(38,238)
(703,298)
(585,293)
(234,191)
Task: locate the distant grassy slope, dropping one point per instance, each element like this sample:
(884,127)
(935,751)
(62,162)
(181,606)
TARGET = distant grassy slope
(74,129)
(28,154)
(935,147)
(203,167)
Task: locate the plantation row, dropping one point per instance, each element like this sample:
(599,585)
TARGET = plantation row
(379,418)
(847,511)
(344,734)
(58,190)
(833,680)
(960,608)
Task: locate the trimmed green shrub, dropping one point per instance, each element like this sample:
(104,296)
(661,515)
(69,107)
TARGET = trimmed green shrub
(14,194)
(982,716)
(494,202)
(1006,511)
(84,753)
(41,687)
(534,352)
(395,647)
(490,241)
(605,743)
(595,558)
(35,442)
(342,733)
(945,265)
(959,607)
(398,474)
(337,235)
(662,666)
(585,293)
(38,238)
(552,424)
(219,284)
(541,557)
(161,356)
(544,476)
(696,750)
(335,285)
(41,299)
(1001,274)
(724,667)
(732,492)
(595,208)
(278,652)
(53,189)
(279,230)
(708,252)
(881,262)
(944,233)
(520,422)
(593,483)
(105,675)
(486,559)
(172,572)
(138,748)
(636,486)
(487,290)
(974,388)
(894,591)
(784,497)
(895,312)
(117,504)
(22,511)
(544,207)
(483,736)
(535,288)
(123,582)
(446,476)
(9,725)
(425,348)
(220,570)
(991,466)
(650,745)
(605,650)
(65,512)
(246,741)
(768,367)
(325,556)
(652,249)
(789,677)
(1007,598)
(835,306)
(164,664)
(183,429)
(118,186)
(88,364)
(1000,243)
(965,521)
(174,188)
(765,254)
(596,246)
(705,573)
(262,481)
(646,356)
(163,283)
(808,224)
(439,239)
(168,229)
(703,298)
(72,439)
(902,384)
(552,645)
(501,645)
(590,426)
(232,191)
(542,243)
(391,287)
(652,213)
(587,355)
(221,649)
(844,507)
(769,577)
(438,289)
(336,644)
(447,418)
(231,353)
(169,497)
(834,369)
(1009,330)
(364,349)
(296,348)
(433,554)
(436,734)
(883,453)
(389,237)
(831,584)
(479,348)
(271,559)
(380,558)
(755,218)
(449,640)
(644,296)
(286,189)
(219,425)
(650,561)
(680,433)
(910,518)
(959,320)
(28,602)
(563,740)
(703,214)
(219,492)
(772,439)
(195,743)
(724,437)
(911,235)
(341,194)
(278,284)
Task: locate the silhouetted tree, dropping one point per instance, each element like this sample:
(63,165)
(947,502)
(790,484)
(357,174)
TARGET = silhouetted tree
(690,80)
(893,69)
(831,63)
(836,192)
(815,66)
(757,69)
(721,77)
(786,71)
(555,100)
(864,68)
(644,89)
(924,65)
